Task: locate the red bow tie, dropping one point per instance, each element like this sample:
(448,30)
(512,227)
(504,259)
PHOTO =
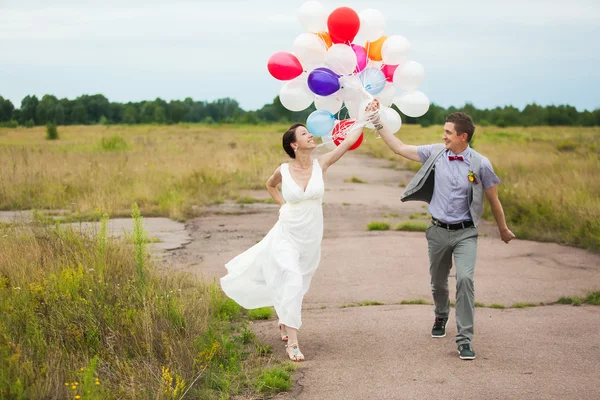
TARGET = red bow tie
(458,158)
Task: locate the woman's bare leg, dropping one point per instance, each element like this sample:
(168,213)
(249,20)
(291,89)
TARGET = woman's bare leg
(292,348)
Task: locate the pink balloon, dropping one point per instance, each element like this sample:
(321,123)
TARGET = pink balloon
(361,57)
(388,71)
(284,66)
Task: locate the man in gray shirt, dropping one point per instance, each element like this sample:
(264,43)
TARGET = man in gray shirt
(453,179)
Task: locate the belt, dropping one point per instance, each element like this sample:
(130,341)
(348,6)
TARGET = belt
(452,227)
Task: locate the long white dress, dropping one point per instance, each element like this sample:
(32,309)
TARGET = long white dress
(277,271)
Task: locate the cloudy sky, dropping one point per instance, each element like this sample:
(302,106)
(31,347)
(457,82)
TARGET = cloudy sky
(488,52)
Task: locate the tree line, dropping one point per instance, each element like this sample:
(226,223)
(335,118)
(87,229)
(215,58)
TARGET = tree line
(97,109)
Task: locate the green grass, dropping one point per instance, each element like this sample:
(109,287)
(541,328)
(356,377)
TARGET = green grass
(354,179)
(415,301)
(365,303)
(260,313)
(82,308)
(246,200)
(498,306)
(391,215)
(275,380)
(114,143)
(524,305)
(592,298)
(378,226)
(412,227)
(479,304)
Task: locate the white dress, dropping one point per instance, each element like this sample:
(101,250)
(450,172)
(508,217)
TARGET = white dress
(277,271)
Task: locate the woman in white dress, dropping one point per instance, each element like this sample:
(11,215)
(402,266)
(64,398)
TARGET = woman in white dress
(277,271)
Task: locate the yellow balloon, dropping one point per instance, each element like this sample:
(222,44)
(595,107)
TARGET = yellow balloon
(374,49)
(325,38)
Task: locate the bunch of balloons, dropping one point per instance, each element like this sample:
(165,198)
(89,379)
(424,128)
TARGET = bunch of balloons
(345,60)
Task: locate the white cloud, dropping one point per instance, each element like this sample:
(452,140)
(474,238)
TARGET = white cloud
(229,42)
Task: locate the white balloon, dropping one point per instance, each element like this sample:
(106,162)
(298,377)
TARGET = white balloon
(395,50)
(295,95)
(372,25)
(310,50)
(413,104)
(353,108)
(351,88)
(341,59)
(313,16)
(390,119)
(409,75)
(327,141)
(331,103)
(386,96)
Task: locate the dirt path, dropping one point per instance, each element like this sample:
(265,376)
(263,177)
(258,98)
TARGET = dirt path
(386,352)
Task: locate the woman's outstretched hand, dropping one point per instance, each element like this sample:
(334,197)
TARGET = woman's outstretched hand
(372,112)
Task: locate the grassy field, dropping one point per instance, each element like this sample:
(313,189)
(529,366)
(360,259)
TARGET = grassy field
(549,189)
(85,316)
(550,177)
(165,169)
(550,186)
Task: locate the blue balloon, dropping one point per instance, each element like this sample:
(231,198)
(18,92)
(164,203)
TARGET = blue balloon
(323,81)
(373,80)
(320,122)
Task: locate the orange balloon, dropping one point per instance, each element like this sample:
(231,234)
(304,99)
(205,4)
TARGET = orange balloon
(374,49)
(325,38)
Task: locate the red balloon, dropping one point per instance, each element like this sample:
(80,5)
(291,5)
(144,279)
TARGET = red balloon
(388,71)
(341,129)
(343,24)
(284,66)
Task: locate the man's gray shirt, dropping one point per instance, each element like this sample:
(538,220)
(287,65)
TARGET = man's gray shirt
(450,201)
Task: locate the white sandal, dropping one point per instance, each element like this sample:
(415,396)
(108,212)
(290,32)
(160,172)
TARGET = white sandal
(297,355)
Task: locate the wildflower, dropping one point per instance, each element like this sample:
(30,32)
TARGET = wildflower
(73,387)
(67,384)
(78,397)
(81,369)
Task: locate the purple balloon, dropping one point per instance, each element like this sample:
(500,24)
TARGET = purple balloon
(323,81)
(361,57)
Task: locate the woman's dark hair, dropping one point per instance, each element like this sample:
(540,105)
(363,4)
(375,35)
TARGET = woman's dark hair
(289,137)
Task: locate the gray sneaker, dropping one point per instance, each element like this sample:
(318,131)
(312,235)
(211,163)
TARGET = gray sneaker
(439,327)
(466,352)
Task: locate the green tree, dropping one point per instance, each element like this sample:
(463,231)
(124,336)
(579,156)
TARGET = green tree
(46,109)
(79,114)
(28,107)
(130,115)
(6,110)
(59,114)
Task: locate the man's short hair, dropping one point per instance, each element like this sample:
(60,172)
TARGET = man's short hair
(462,124)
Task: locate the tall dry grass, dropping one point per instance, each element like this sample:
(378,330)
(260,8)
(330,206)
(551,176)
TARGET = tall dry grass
(165,169)
(550,177)
(550,186)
